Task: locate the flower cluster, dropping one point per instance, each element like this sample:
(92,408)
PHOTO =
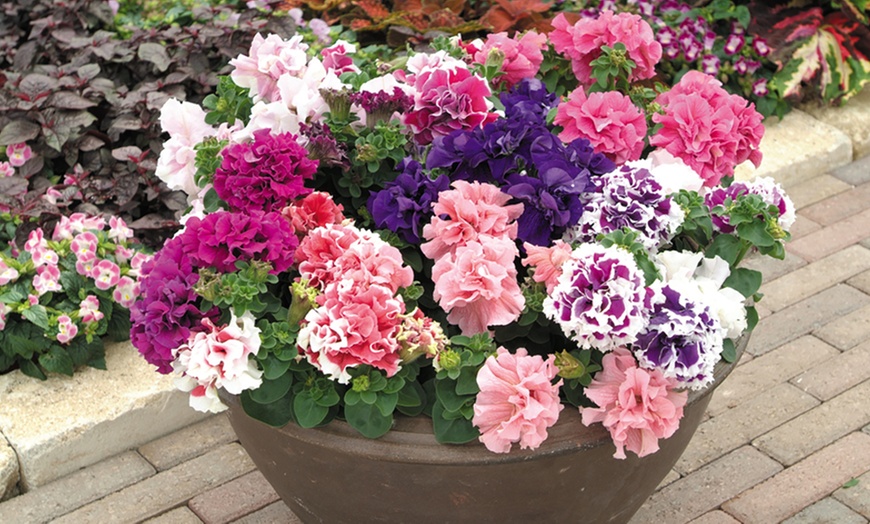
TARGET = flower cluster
(72,287)
(378,239)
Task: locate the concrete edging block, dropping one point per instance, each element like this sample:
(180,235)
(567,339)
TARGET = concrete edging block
(65,423)
(852,118)
(798,148)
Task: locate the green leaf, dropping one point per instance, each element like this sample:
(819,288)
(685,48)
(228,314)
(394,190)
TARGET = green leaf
(445,391)
(751,318)
(273,367)
(368,419)
(851,483)
(329,397)
(37,315)
(276,414)
(452,431)
(411,396)
(119,323)
(309,413)
(467,383)
(746,281)
(386,403)
(272,390)
(81,351)
(726,247)
(729,353)
(756,233)
(29,368)
(57,361)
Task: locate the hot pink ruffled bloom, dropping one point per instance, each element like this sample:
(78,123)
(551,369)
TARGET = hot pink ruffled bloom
(522,56)
(582,42)
(707,128)
(517,401)
(354,325)
(471,210)
(611,122)
(18,154)
(477,285)
(318,251)
(315,210)
(547,262)
(638,406)
(337,57)
(446,100)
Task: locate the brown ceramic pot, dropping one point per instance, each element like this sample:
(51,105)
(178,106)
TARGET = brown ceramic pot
(333,475)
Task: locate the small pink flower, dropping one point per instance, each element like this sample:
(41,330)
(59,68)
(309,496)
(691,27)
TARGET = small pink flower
(84,245)
(35,241)
(336,57)
(522,56)
(47,279)
(517,401)
(67,330)
(469,210)
(447,99)
(136,263)
(268,60)
(32,299)
(89,310)
(7,274)
(106,274)
(3,310)
(314,210)
(477,285)
(611,122)
(52,195)
(118,229)
(126,292)
(18,154)
(370,261)
(85,265)
(638,406)
(547,262)
(123,254)
(6,169)
(582,43)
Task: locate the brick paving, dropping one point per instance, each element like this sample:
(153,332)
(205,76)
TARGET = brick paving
(783,435)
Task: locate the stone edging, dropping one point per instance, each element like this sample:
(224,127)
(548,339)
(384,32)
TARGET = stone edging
(55,427)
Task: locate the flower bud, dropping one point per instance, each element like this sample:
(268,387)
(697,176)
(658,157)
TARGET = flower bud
(569,366)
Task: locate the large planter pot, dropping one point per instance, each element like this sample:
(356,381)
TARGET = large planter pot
(334,475)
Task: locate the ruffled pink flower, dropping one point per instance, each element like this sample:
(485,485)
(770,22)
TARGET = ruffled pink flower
(707,128)
(446,100)
(611,122)
(315,210)
(18,154)
(638,406)
(106,274)
(89,310)
(319,250)
(66,329)
(582,43)
(354,325)
(370,261)
(517,401)
(477,285)
(547,262)
(268,60)
(522,56)
(185,123)
(336,57)
(471,210)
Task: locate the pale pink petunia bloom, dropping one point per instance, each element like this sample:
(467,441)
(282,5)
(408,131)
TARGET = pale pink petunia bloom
(269,59)
(612,123)
(123,254)
(517,401)
(32,299)
(185,123)
(85,265)
(37,246)
(547,261)
(477,285)
(638,406)
(337,57)
(106,274)
(89,310)
(67,330)
(522,56)
(18,154)
(136,263)
(369,261)
(470,210)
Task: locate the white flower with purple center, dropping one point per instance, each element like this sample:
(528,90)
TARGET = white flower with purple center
(600,299)
(765,187)
(683,338)
(628,197)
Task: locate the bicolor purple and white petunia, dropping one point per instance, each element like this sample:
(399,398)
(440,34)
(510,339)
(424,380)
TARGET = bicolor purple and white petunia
(683,338)
(628,197)
(600,299)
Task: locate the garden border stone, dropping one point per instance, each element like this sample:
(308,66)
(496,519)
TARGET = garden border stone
(60,425)
(853,118)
